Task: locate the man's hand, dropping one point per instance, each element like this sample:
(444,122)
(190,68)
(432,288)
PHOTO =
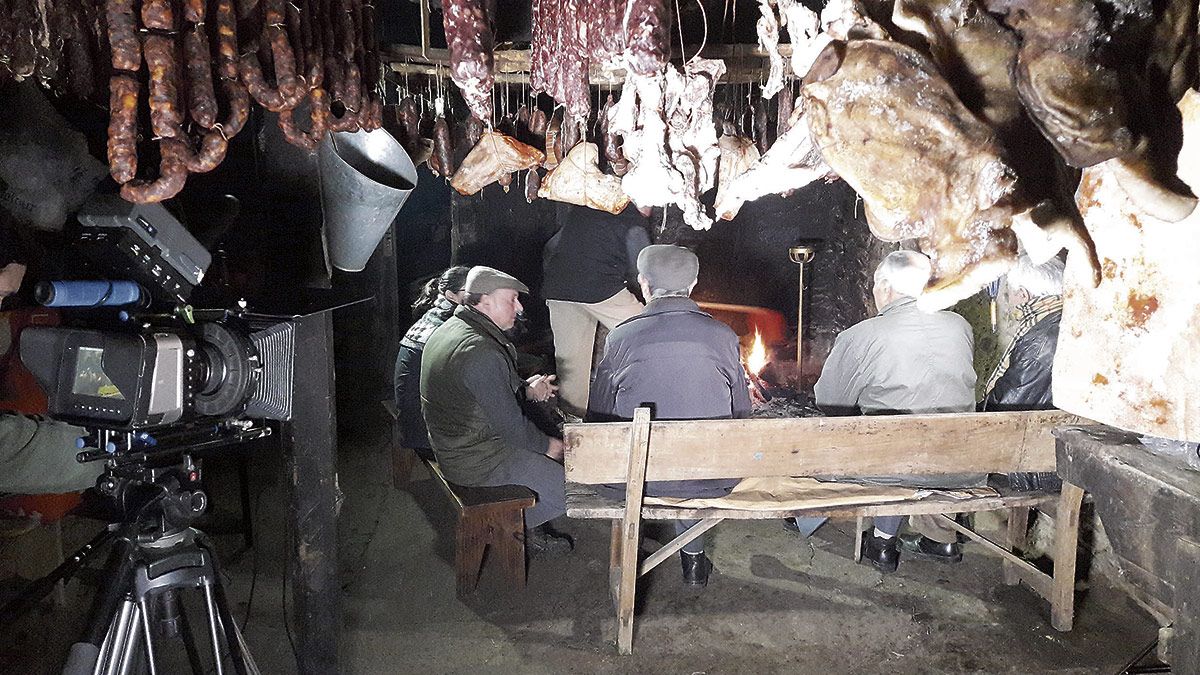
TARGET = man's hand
(540,387)
(555,451)
(10,279)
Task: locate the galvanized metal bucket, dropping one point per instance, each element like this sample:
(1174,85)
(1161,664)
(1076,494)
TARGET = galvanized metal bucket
(365,178)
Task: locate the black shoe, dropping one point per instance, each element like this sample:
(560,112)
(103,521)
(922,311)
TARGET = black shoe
(880,552)
(696,567)
(924,547)
(542,541)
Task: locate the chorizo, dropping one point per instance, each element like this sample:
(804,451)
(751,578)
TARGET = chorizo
(291,133)
(227,51)
(212,151)
(443,146)
(194,11)
(172,174)
(537,123)
(505,181)
(158,15)
(202,100)
(238,101)
(533,181)
(125,48)
(570,135)
(474,131)
(165,117)
(122,127)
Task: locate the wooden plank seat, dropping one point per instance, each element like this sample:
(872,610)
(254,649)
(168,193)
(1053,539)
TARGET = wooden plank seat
(490,521)
(620,452)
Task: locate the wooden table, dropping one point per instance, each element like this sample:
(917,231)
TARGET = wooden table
(1150,507)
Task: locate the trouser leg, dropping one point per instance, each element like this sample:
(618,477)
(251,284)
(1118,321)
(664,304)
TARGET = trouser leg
(694,546)
(932,527)
(889,524)
(574,330)
(540,474)
(616,309)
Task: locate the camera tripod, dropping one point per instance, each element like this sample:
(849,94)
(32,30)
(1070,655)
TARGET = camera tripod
(156,561)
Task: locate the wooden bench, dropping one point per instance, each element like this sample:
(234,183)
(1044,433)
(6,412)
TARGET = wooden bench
(489,519)
(641,450)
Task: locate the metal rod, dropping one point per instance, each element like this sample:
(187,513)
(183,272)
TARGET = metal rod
(800,255)
(211,604)
(145,611)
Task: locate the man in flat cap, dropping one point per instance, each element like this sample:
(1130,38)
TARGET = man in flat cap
(680,360)
(470,399)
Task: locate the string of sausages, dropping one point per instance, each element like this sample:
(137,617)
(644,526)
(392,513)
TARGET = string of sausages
(315,62)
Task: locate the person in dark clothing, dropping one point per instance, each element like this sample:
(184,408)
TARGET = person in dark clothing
(436,304)
(470,399)
(1023,380)
(586,266)
(682,361)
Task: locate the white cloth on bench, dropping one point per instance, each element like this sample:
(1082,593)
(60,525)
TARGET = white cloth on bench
(772,494)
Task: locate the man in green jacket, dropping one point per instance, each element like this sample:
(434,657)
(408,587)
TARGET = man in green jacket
(469,397)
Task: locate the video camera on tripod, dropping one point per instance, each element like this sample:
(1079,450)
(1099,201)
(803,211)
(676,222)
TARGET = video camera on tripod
(152,390)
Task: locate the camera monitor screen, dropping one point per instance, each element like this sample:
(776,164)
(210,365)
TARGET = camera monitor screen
(90,379)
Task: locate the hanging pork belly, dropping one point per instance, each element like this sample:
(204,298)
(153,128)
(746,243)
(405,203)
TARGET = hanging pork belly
(495,155)
(578,180)
(469,37)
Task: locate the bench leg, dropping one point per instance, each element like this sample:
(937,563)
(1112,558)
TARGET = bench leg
(1018,525)
(627,586)
(614,563)
(1066,544)
(402,464)
(508,542)
(468,553)
(858,530)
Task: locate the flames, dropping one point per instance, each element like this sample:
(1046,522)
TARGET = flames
(756,358)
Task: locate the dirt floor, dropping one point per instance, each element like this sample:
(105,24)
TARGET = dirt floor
(776,603)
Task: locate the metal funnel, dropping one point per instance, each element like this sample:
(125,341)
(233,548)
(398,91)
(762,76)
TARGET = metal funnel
(365,178)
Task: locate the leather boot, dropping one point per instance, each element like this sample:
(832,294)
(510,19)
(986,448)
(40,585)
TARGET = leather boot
(696,567)
(929,549)
(543,541)
(880,552)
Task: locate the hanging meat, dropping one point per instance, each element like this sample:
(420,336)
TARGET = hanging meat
(647,36)
(791,163)
(494,156)
(469,37)
(738,155)
(668,136)
(578,180)
(533,182)
(926,168)
(768,41)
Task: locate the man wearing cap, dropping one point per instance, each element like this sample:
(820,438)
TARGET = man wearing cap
(682,362)
(469,396)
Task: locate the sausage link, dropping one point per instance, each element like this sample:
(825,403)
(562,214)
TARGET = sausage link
(172,174)
(122,127)
(212,151)
(239,108)
(533,181)
(319,102)
(194,11)
(165,117)
(443,146)
(292,134)
(122,35)
(227,51)
(202,100)
(158,15)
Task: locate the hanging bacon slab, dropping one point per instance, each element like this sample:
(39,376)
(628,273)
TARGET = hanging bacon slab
(470,40)
(578,180)
(494,156)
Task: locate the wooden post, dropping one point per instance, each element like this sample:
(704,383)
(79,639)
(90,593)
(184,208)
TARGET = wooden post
(639,447)
(310,444)
(614,563)
(1066,545)
(1184,648)
(1018,524)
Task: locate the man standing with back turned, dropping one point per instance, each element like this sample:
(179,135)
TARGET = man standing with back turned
(903,360)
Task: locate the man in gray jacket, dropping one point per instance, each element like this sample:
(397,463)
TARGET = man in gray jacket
(903,360)
(679,360)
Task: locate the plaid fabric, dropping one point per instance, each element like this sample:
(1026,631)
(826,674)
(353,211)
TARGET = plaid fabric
(1031,313)
(424,327)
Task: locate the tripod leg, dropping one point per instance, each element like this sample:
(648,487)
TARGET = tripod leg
(189,640)
(130,652)
(211,604)
(144,610)
(120,638)
(38,589)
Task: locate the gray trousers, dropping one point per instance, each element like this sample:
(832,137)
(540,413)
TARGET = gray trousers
(539,473)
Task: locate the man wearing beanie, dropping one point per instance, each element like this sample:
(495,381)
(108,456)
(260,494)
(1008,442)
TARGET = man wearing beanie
(680,360)
(469,397)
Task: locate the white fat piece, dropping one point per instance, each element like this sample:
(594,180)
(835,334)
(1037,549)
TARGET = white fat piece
(768,40)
